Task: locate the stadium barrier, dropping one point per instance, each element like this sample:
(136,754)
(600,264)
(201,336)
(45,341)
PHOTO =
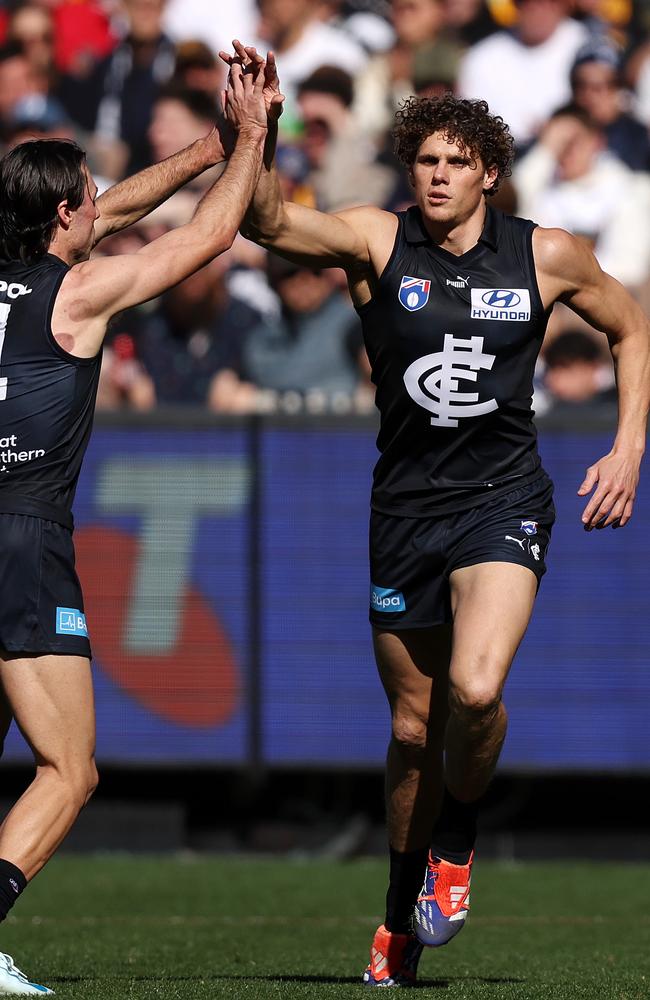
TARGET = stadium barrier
(224,564)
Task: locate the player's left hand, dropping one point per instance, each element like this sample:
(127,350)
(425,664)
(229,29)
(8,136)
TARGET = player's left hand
(247,56)
(616,477)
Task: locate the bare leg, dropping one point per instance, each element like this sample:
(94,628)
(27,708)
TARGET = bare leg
(6,717)
(492,605)
(413,665)
(51,698)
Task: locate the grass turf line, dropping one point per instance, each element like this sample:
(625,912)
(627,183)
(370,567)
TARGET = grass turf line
(125,928)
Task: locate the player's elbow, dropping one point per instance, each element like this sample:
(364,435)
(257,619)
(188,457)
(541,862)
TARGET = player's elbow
(224,239)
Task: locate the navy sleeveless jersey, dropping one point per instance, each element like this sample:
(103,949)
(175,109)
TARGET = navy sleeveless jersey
(47,396)
(453,343)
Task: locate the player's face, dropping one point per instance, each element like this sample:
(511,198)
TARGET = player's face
(448,182)
(85,217)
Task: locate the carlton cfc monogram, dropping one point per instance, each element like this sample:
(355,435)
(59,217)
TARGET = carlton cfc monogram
(432,381)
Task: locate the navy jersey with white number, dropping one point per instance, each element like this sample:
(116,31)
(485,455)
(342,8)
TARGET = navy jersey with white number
(453,342)
(47,396)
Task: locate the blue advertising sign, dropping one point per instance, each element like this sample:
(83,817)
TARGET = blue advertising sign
(225,575)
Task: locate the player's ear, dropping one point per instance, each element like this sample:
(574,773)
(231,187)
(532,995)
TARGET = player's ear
(490,177)
(411,176)
(64,214)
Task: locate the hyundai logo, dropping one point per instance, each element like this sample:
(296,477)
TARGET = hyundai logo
(501,298)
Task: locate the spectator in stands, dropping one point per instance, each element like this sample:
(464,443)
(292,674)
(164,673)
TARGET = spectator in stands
(468,21)
(578,371)
(18,80)
(195,332)
(342,171)
(123,382)
(117,98)
(523,73)
(305,347)
(297,35)
(435,69)
(179,116)
(365,20)
(388,77)
(82,35)
(216,23)
(31,26)
(197,68)
(37,116)
(598,90)
(570,180)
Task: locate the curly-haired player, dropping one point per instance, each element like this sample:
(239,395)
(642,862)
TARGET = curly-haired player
(454,298)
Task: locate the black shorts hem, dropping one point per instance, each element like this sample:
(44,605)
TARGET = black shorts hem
(52,650)
(464,564)
(402,626)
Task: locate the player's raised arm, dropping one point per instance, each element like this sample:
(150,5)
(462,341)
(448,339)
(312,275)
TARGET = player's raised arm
(302,234)
(569,272)
(95,290)
(134,197)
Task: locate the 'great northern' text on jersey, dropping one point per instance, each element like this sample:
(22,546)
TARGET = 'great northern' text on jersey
(453,342)
(47,396)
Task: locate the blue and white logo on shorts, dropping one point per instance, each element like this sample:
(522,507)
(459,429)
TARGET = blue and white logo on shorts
(71,621)
(529,527)
(386,599)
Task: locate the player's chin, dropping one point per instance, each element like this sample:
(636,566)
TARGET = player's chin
(438,209)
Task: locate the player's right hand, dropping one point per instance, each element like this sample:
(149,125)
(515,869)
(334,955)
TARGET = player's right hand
(248,55)
(244,102)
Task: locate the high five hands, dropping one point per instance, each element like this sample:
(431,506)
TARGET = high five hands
(247,60)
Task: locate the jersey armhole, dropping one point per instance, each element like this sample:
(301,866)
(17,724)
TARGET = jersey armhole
(56,347)
(389,264)
(533,271)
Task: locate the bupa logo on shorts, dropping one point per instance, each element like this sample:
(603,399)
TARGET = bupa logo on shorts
(509,304)
(71,621)
(529,527)
(386,599)
(414,292)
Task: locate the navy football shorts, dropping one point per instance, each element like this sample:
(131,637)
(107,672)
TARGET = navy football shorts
(411,558)
(41,604)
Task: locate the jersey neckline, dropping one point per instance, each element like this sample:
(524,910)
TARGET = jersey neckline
(416,233)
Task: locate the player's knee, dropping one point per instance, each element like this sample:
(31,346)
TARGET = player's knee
(409,732)
(474,700)
(92,780)
(80,780)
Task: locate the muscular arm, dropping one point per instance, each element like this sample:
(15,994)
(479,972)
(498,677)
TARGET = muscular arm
(356,239)
(127,202)
(94,291)
(359,240)
(569,272)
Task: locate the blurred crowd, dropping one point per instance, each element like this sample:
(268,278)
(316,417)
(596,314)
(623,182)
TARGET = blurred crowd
(135,80)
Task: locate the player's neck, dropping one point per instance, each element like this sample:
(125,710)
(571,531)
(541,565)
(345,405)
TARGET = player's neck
(61,249)
(459,236)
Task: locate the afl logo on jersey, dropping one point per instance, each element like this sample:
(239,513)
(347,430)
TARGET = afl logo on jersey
(414,292)
(510,304)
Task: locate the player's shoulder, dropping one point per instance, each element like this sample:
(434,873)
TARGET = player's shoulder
(89,285)
(375,227)
(557,251)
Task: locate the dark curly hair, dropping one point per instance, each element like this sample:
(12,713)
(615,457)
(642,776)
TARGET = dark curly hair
(34,178)
(468,123)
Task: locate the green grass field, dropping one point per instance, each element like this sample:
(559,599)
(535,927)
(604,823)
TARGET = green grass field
(109,928)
